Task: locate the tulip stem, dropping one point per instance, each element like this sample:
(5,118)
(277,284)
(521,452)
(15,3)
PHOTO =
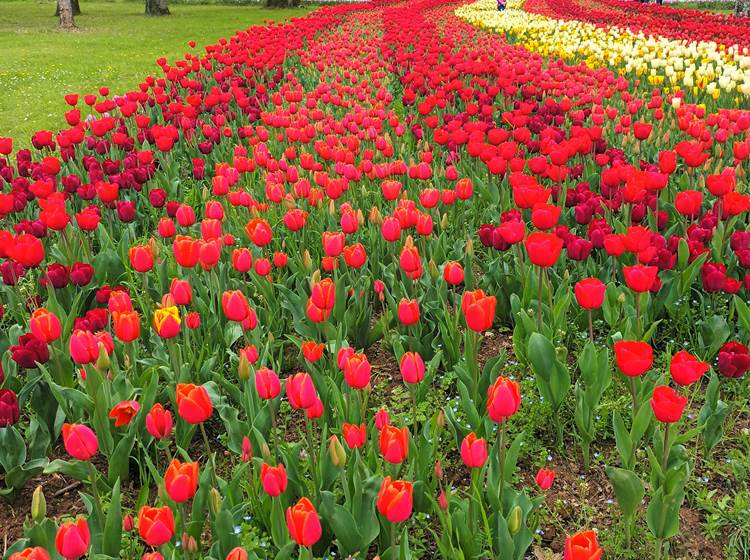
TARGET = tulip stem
(394,542)
(638,315)
(413,391)
(665,450)
(591,326)
(539,301)
(501,465)
(208,451)
(97,498)
(634,395)
(312,457)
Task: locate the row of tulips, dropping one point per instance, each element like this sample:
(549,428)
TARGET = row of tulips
(197,274)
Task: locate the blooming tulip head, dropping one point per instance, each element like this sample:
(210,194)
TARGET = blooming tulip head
(474,451)
(543,248)
(503,399)
(45,325)
(303,523)
(479,310)
(583,546)
(273,479)
(395,500)
(80,441)
(633,357)
(394,444)
(159,422)
(667,405)
(73,539)
(412,367)
(193,403)
(545,478)
(686,369)
(589,293)
(181,480)
(156,525)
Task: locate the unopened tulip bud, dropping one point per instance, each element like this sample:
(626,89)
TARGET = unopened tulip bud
(438,469)
(443,500)
(127,523)
(432,267)
(514,520)
(265,451)
(103,362)
(204,194)
(315,278)
(621,298)
(440,419)
(360,217)
(38,505)
(189,544)
(215,497)
(126,361)
(470,247)
(307,260)
(336,452)
(243,370)
(375,217)
(444,222)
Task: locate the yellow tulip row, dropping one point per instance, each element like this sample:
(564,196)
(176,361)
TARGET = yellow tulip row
(701,66)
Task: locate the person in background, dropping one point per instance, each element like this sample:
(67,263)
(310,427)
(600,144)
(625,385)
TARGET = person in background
(500,5)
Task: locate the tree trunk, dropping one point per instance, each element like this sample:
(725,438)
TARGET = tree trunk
(742,8)
(157,8)
(65,9)
(76,8)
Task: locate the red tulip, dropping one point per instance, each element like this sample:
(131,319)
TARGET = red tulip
(503,399)
(267,383)
(394,444)
(395,500)
(408,311)
(141,258)
(181,480)
(237,553)
(127,325)
(73,539)
(333,243)
(155,525)
(667,405)
(355,436)
(633,357)
(357,371)
(303,523)
(235,306)
(36,553)
(193,403)
(274,479)
(181,291)
(45,325)
(80,441)
(453,273)
(589,293)
(640,278)
(159,422)
(545,478)
(686,369)
(474,451)
(259,232)
(84,347)
(479,310)
(123,412)
(300,390)
(412,367)
(582,546)
(312,351)
(543,248)
(734,360)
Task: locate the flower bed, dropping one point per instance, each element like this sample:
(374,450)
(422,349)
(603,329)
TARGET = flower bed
(260,299)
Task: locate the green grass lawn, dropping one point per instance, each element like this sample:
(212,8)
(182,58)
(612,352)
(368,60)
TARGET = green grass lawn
(117,46)
(718,6)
